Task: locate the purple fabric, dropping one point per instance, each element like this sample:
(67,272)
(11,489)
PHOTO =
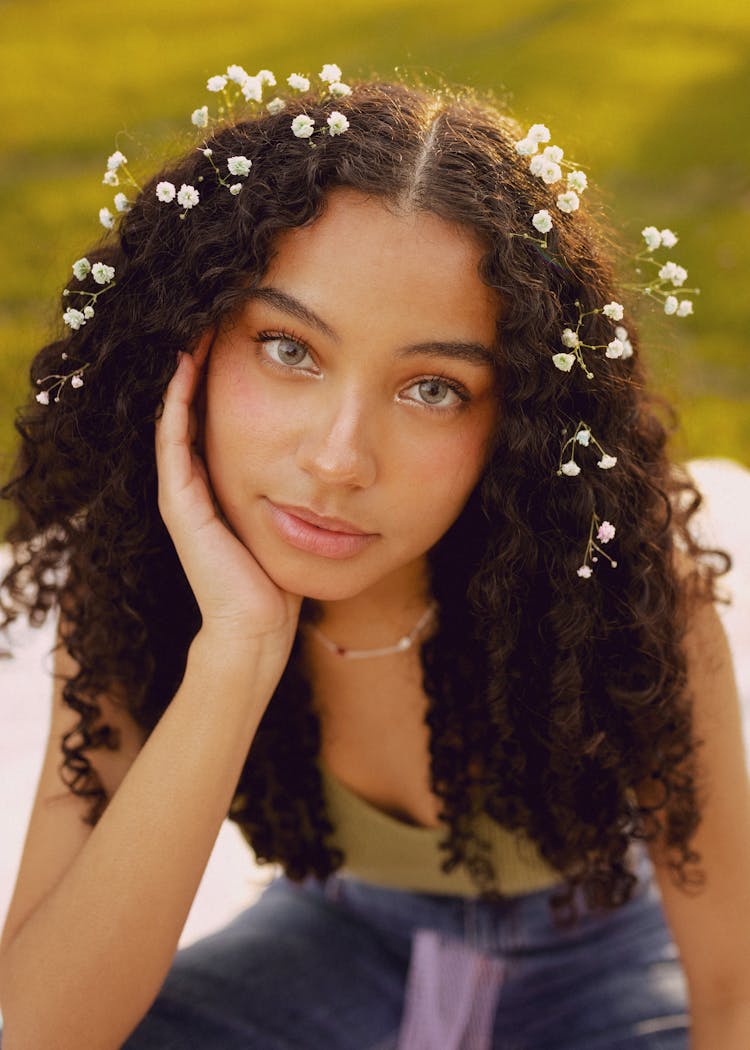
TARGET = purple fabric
(451,995)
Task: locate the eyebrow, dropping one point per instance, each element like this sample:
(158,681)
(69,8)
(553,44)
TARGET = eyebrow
(456,349)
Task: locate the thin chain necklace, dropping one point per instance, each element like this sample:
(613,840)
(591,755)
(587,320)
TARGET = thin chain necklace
(363,654)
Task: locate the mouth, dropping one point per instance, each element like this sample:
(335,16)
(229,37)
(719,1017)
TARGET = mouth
(329,537)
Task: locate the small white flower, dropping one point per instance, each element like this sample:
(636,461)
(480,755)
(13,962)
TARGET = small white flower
(672,272)
(298,83)
(607,462)
(564,361)
(235,188)
(199,117)
(614,311)
(166,192)
(74,319)
(621,333)
(266,77)
(337,123)
(584,572)
(536,164)
(110,178)
(43,397)
(570,339)
(188,196)
(239,166)
(685,308)
(526,147)
(553,154)
(116,160)
(550,172)
(330,73)
(236,73)
(276,105)
(583,437)
(652,237)
(76,381)
(339,90)
(106,218)
(577,181)
(568,201)
(102,273)
(252,89)
(303,126)
(627,347)
(571,468)
(208,152)
(668,238)
(615,348)
(217,83)
(606,532)
(121,202)
(88,312)
(538,133)
(542,221)
(81,268)
(671,304)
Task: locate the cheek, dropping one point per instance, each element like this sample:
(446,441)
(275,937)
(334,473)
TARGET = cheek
(242,421)
(449,468)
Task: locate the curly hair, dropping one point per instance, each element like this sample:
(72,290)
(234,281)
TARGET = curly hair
(550,699)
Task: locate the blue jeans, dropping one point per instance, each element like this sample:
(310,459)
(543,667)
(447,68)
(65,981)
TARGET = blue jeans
(325,965)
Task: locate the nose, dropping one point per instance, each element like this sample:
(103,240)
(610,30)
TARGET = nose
(337,445)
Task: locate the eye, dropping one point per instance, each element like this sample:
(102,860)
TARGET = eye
(283,350)
(436,392)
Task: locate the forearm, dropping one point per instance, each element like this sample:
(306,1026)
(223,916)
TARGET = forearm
(88,962)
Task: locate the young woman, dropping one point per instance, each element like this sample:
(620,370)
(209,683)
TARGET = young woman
(406,588)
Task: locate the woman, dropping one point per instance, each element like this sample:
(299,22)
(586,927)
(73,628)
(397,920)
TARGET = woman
(405,589)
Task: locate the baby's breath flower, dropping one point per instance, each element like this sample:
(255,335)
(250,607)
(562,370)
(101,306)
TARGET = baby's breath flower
(303,126)
(577,181)
(74,319)
(583,437)
(337,123)
(236,73)
(568,201)
(252,89)
(239,166)
(542,221)
(668,238)
(266,77)
(652,237)
(670,304)
(76,381)
(207,152)
(614,311)
(106,218)
(330,73)
(605,532)
(526,147)
(685,308)
(43,397)
(217,83)
(88,312)
(550,172)
(571,468)
(188,196)
(536,164)
(81,268)
(570,339)
(627,347)
(102,273)
(116,160)
(339,90)
(672,272)
(166,192)
(121,202)
(276,105)
(607,462)
(584,572)
(235,188)
(538,133)
(110,178)
(199,117)
(615,348)
(553,154)
(298,83)
(564,361)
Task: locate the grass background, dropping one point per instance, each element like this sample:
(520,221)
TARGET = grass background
(650,98)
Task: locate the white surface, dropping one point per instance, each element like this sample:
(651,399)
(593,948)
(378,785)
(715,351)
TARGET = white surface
(232,881)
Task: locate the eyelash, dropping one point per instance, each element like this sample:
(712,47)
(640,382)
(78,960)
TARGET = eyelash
(457,388)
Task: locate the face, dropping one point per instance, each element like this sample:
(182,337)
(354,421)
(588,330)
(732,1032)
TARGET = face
(350,406)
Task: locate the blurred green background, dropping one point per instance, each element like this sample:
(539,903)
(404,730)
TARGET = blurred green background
(652,98)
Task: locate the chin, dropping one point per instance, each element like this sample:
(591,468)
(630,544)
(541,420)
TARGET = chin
(328,583)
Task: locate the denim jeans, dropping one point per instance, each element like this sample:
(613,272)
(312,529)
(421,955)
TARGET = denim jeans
(331,965)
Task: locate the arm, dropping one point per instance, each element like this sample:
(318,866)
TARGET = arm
(711,927)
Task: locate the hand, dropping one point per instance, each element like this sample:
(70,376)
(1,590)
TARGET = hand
(238,601)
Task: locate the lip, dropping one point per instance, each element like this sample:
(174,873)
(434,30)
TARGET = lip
(307,531)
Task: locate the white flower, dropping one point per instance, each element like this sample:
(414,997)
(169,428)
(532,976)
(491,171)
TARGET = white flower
(74,319)
(564,361)
(606,532)
(276,105)
(88,312)
(538,133)
(621,333)
(76,381)
(671,304)
(298,83)
(672,272)
(553,154)
(208,152)
(577,181)
(303,126)
(584,572)
(668,238)
(166,192)
(652,237)
(615,348)
(216,83)
(337,123)
(188,196)
(571,468)
(121,202)
(583,437)
(339,90)
(550,172)
(110,178)
(330,73)
(685,308)
(252,89)
(526,147)
(627,347)
(116,160)
(542,221)
(614,311)
(536,164)
(102,273)
(570,339)
(235,188)
(266,77)
(568,201)
(43,397)
(106,218)
(199,117)
(81,268)
(236,73)
(607,462)
(239,165)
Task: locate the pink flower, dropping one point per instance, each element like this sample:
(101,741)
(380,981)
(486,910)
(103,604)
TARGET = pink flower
(606,532)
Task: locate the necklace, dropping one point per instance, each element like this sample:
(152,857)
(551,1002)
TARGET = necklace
(363,654)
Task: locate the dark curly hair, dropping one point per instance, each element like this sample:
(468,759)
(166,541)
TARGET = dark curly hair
(551,699)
